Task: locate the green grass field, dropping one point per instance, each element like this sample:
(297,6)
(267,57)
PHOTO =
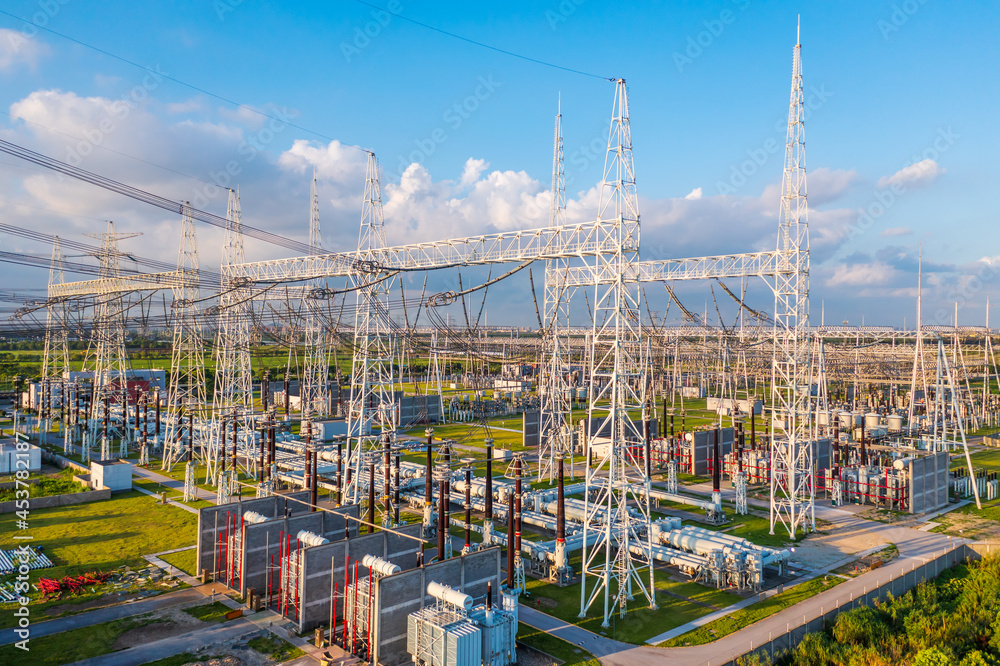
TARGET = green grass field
(55,484)
(753,613)
(185,560)
(98,536)
(678,603)
(566,652)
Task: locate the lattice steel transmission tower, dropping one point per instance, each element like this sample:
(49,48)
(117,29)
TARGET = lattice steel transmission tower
(313,394)
(232,401)
(55,359)
(372,402)
(620,558)
(109,360)
(186,393)
(554,432)
(792,488)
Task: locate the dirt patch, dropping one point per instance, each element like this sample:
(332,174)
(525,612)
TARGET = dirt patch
(545,602)
(968,526)
(160,624)
(869,562)
(527,656)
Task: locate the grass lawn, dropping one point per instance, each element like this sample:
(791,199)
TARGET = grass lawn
(213,612)
(54,484)
(277,649)
(98,536)
(677,603)
(71,646)
(566,652)
(758,611)
(472,435)
(988,460)
(172,494)
(184,560)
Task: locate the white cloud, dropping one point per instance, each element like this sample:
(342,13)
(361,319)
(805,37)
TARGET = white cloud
(473,170)
(862,275)
(693,194)
(16,48)
(920,174)
(896,231)
(187,106)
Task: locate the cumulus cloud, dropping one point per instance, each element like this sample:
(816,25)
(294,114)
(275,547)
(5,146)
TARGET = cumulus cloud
(473,170)
(192,137)
(17,49)
(920,174)
(857,275)
(896,231)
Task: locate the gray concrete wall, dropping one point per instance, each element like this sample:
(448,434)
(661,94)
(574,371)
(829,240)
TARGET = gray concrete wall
(703,445)
(212,521)
(605,431)
(531,424)
(401,594)
(822,453)
(320,561)
(928,482)
(419,409)
(263,540)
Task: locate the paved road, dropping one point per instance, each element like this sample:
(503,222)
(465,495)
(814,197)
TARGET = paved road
(596,644)
(99,615)
(168,647)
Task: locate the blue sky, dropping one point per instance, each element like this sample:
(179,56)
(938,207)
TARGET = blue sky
(890,84)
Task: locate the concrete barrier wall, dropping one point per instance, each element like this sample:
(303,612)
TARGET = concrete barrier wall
(59,500)
(212,521)
(61,462)
(401,594)
(262,541)
(320,562)
(896,585)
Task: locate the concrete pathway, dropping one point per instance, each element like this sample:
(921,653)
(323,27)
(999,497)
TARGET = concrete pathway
(106,614)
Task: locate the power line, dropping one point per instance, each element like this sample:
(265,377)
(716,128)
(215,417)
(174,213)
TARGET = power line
(146,197)
(111,150)
(483,45)
(150,70)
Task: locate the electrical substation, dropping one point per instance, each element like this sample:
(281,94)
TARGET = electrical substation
(407,510)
